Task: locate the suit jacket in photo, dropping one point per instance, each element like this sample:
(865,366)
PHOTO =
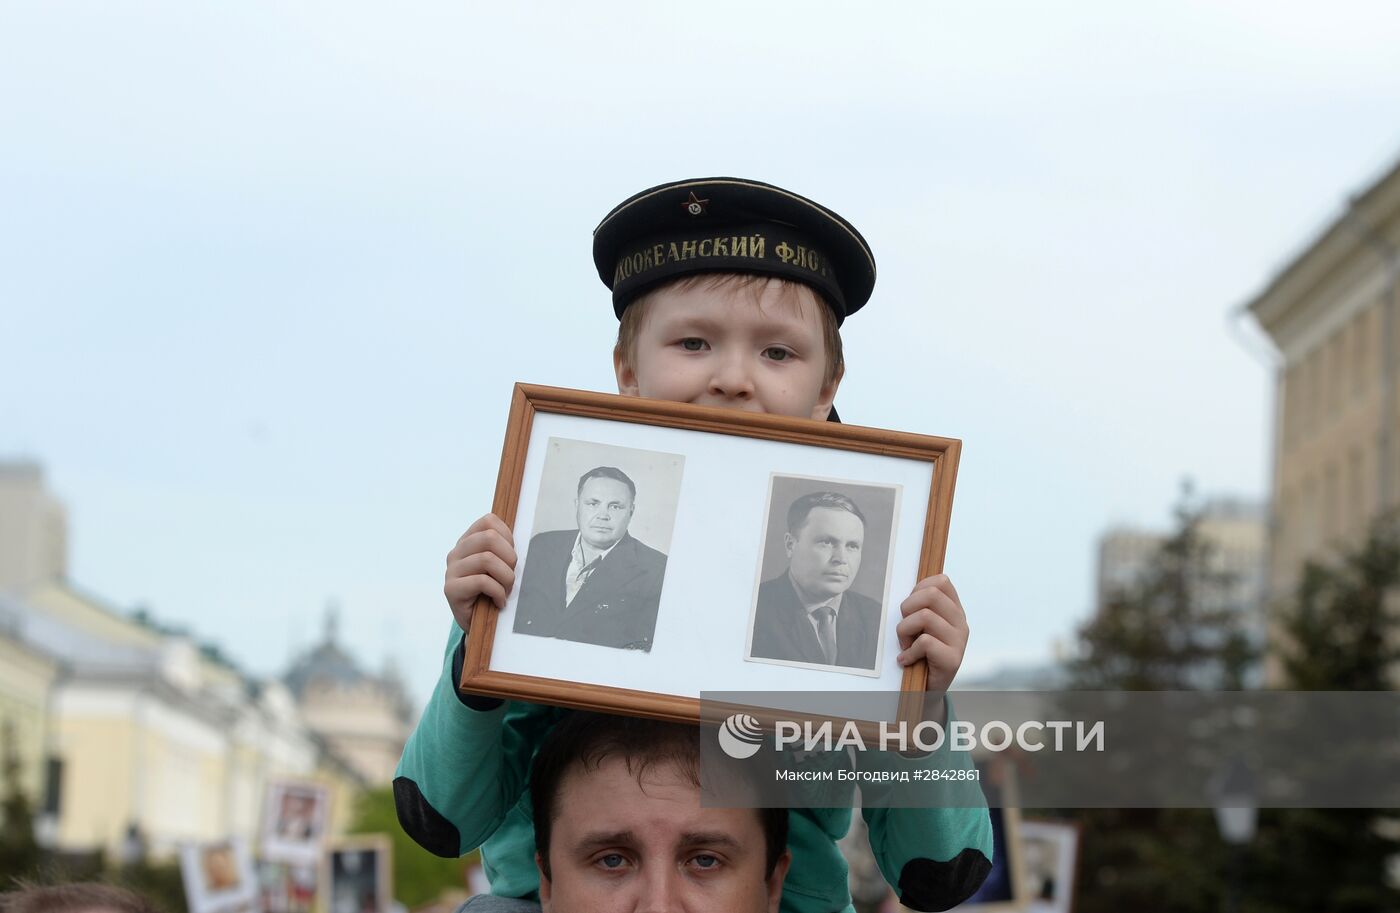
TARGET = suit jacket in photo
(615,607)
(782,629)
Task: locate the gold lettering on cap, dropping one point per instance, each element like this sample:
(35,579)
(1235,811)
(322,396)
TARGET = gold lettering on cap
(721,247)
(688,249)
(707,247)
(740,246)
(784,252)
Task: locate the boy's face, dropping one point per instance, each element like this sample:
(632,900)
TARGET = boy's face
(757,348)
(620,845)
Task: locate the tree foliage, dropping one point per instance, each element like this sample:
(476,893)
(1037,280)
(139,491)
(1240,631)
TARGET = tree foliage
(19,850)
(419,876)
(1339,630)
(1170,630)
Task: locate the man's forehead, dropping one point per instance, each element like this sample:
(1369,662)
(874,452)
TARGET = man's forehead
(613,796)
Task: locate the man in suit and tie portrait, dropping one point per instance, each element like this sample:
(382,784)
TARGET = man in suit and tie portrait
(809,613)
(595,584)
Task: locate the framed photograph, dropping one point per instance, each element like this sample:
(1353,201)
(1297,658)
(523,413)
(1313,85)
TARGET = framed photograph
(218,877)
(294,821)
(1049,852)
(666,549)
(285,887)
(355,875)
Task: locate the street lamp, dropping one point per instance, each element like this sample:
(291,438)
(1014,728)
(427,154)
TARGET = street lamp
(1236,814)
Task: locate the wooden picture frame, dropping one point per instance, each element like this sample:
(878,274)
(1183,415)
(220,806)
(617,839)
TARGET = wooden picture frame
(296,816)
(1051,874)
(218,876)
(721,471)
(369,873)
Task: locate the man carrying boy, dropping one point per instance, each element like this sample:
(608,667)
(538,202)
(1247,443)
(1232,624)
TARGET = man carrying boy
(730,293)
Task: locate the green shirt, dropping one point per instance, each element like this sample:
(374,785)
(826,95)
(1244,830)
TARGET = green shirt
(463,783)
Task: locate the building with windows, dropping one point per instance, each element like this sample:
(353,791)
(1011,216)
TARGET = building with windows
(127,729)
(1331,313)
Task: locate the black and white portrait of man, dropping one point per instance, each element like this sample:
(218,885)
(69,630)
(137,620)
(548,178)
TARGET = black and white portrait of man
(596,582)
(817,608)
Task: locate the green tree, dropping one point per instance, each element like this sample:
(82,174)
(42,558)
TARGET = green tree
(419,876)
(1170,630)
(1173,629)
(19,851)
(1338,634)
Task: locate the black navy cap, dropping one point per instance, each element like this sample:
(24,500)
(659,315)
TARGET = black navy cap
(707,225)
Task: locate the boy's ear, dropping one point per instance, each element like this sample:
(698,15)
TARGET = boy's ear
(626,375)
(827,396)
(775,881)
(545,887)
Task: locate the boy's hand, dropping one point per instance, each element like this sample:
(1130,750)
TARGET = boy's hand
(934,628)
(482,562)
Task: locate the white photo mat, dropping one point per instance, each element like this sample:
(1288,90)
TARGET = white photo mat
(703,620)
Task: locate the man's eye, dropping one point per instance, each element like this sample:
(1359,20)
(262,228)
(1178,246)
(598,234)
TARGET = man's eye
(692,344)
(612,861)
(705,861)
(777,353)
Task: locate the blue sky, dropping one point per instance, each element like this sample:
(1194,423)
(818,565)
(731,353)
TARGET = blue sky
(268,271)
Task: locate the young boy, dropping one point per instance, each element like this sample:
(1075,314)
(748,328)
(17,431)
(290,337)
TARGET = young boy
(730,293)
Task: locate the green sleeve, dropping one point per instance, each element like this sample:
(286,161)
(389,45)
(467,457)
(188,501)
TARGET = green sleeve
(467,763)
(935,858)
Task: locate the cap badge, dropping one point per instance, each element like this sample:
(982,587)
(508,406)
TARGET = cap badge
(696,206)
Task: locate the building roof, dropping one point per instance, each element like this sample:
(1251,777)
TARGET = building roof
(1328,250)
(328,663)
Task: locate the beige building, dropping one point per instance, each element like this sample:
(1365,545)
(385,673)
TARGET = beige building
(1331,313)
(26,682)
(127,726)
(33,529)
(364,717)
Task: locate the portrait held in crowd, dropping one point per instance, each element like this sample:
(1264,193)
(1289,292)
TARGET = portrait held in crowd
(1049,850)
(218,876)
(596,561)
(823,575)
(356,875)
(294,821)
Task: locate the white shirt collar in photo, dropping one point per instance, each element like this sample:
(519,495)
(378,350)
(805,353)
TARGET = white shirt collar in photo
(582,556)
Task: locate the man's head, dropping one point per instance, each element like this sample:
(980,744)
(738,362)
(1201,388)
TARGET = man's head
(825,536)
(603,508)
(619,825)
(730,293)
(77,897)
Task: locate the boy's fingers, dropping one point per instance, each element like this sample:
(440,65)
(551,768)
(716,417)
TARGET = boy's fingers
(926,621)
(489,522)
(491,565)
(937,599)
(941,582)
(938,654)
(485,542)
(463,591)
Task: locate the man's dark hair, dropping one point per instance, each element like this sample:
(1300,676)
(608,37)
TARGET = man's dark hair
(802,508)
(608,472)
(80,897)
(587,739)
